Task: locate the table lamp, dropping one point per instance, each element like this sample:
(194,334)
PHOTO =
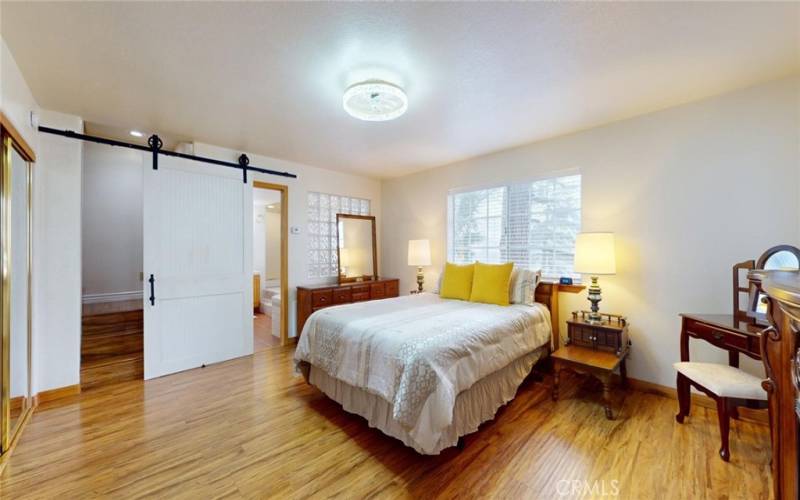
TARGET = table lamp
(344,260)
(419,254)
(594,255)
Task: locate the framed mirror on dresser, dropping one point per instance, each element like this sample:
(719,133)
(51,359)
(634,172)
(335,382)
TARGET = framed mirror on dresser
(749,301)
(358,280)
(356,248)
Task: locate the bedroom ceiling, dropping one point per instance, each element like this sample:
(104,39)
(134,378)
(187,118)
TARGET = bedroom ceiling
(268,78)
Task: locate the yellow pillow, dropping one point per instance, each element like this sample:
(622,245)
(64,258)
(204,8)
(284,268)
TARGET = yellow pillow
(457,281)
(490,283)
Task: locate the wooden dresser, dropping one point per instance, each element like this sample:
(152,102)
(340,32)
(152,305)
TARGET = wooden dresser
(310,299)
(780,350)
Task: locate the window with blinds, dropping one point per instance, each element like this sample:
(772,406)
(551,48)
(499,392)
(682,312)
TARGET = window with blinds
(532,224)
(322,210)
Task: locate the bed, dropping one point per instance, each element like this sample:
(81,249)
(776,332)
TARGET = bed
(423,369)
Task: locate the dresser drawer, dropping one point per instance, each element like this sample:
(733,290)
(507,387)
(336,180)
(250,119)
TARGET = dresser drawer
(321,298)
(734,340)
(706,332)
(377,291)
(342,296)
(392,288)
(360,289)
(360,296)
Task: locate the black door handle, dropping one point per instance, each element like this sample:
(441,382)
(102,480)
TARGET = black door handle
(152,281)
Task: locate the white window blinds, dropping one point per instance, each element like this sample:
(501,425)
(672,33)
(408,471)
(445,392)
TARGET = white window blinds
(322,210)
(532,224)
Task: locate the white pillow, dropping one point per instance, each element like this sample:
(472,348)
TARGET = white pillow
(522,287)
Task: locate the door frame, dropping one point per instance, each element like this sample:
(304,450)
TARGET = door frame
(11,139)
(284,190)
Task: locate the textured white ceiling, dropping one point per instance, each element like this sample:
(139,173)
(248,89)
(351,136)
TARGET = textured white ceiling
(268,77)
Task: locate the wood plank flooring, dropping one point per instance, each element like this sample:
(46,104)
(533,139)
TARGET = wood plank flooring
(262,332)
(251,428)
(112,348)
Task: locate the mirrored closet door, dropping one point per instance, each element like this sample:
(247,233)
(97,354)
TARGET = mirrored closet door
(15,232)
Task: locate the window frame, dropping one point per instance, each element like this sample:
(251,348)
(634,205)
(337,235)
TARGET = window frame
(507,185)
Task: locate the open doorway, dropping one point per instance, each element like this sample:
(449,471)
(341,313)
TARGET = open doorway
(270,265)
(112,334)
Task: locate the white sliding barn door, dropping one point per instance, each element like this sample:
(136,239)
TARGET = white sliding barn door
(198,248)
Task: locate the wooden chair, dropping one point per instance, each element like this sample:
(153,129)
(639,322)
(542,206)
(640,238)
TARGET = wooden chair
(729,386)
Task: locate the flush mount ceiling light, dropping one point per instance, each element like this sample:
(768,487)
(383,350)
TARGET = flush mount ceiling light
(375,101)
(136,133)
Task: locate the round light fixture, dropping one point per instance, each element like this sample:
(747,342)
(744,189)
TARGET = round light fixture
(375,101)
(136,133)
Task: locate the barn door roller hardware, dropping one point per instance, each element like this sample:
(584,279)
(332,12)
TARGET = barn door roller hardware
(154,146)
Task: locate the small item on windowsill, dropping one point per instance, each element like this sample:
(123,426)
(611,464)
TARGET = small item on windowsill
(565,281)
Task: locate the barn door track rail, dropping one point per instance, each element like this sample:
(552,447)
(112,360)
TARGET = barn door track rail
(154,146)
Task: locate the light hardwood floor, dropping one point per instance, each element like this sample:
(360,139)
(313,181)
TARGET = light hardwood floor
(262,332)
(252,428)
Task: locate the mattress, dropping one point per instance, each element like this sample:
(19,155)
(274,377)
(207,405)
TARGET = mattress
(419,353)
(473,406)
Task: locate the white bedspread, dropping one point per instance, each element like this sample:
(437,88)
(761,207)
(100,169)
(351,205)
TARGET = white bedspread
(419,352)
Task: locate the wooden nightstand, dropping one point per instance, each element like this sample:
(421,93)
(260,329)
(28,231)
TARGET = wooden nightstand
(596,349)
(610,334)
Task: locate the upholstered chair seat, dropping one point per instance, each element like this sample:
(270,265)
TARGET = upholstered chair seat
(729,386)
(723,380)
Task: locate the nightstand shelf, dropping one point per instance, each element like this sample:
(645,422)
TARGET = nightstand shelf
(596,349)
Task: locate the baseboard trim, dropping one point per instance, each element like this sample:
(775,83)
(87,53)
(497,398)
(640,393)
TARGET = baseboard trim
(58,393)
(26,417)
(749,414)
(98,298)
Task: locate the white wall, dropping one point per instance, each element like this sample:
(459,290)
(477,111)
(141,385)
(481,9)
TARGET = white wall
(16,99)
(260,241)
(267,242)
(57,256)
(308,179)
(689,191)
(112,222)
(56,324)
(272,247)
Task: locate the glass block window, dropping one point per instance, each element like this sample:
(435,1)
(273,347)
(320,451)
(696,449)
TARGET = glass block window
(532,224)
(322,210)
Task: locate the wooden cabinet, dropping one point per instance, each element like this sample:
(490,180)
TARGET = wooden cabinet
(310,299)
(611,334)
(780,351)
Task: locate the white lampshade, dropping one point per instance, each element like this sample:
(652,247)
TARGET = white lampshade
(594,254)
(419,253)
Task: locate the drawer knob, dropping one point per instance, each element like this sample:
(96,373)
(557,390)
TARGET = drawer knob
(717,335)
